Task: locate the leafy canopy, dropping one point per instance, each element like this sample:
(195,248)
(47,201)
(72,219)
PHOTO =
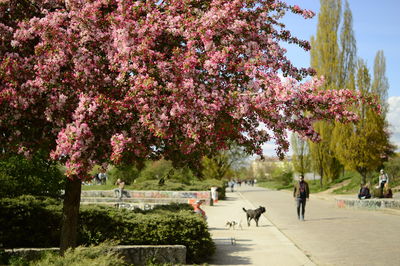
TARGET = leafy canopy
(112,80)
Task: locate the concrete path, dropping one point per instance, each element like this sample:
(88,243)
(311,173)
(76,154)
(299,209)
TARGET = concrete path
(263,245)
(331,235)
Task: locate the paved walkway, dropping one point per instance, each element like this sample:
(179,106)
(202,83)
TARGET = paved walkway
(263,245)
(332,235)
(329,236)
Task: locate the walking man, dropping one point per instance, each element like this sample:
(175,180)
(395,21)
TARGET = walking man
(301,195)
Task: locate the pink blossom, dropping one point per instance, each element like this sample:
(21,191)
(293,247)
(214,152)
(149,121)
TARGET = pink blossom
(131,80)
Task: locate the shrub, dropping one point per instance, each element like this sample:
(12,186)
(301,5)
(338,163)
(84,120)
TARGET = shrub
(29,216)
(154,228)
(81,256)
(40,220)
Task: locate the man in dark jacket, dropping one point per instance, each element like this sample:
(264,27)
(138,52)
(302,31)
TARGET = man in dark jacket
(301,195)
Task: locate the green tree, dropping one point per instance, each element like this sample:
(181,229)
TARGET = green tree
(346,78)
(301,155)
(263,168)
(37,176)
(126,172)
(348,51)
(245,172)
(325,47)
(365,143)
(325,60)
(392,168)
(223,164)
(380,85)
(283,174)
(164,169)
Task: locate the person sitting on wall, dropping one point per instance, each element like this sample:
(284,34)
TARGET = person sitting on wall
(197,209)
(120,191)
(387,191)
(383,179)
(364,192)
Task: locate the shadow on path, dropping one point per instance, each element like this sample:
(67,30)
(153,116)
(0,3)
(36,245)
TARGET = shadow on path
(229,254)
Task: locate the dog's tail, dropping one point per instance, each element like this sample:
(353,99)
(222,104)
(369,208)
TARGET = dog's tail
(244,210)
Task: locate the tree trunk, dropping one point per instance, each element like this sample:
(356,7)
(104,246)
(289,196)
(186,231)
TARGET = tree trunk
(69,230)
(364,177)
(363,172)
(321,173)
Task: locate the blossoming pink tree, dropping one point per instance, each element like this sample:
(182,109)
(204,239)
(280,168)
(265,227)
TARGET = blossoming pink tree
(101,81)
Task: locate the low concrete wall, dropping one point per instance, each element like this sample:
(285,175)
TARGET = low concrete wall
(134,254)
(367,203)
(150,196)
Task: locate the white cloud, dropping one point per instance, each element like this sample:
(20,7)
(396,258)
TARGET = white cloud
(393,117)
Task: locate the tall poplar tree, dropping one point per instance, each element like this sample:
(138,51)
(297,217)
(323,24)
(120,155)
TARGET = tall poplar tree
(348,51)
(347,68)
(365,143)
(380,85)
(325,60)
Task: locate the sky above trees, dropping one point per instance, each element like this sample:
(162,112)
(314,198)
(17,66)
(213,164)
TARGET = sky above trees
(375,26)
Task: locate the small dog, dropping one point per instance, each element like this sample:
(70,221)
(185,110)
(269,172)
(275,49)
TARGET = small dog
(254,214)
(233,224)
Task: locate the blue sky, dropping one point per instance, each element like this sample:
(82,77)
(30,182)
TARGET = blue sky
(377,27)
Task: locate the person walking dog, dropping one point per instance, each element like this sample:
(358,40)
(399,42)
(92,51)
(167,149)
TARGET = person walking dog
(301,195)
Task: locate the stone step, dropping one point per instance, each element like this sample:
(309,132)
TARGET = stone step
(126,205)
(134,200)
(150,196)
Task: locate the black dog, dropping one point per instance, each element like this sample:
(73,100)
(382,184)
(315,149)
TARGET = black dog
(254,214)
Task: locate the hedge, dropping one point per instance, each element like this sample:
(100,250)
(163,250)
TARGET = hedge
(40,220)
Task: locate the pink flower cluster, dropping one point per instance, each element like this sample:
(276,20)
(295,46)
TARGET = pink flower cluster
(113,80)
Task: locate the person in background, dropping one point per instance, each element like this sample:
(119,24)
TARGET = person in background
(364,192)
(197,209)
(121,186)
(102,176)
(383,179)
(301,194)
(387,192)
(231,184)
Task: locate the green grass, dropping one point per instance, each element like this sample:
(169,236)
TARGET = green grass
(350,188)
(315,185)
(101,187)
